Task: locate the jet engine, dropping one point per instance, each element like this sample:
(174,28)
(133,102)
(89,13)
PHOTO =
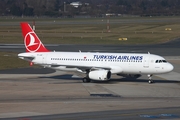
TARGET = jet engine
(100,75)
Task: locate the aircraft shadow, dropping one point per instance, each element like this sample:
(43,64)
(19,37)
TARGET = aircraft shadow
(139,80)
(70,77)
(63,77)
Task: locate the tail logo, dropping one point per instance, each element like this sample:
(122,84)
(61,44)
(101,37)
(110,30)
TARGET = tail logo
(31,42)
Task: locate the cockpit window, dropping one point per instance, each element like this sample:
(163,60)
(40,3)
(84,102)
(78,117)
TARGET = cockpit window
(161,61)
(164,61)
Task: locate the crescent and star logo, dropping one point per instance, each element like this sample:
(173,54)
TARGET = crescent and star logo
(31,41)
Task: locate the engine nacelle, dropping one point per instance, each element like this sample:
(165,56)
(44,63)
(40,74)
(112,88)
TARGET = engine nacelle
(100,75)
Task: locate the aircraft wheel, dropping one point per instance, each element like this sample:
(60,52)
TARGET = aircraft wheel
(151,81)
(86,80)
(150,78)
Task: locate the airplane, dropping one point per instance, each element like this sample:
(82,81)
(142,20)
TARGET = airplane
(95,66)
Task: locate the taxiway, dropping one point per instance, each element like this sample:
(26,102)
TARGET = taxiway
(38,93)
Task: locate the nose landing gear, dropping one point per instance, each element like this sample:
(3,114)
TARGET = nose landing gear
(150,79)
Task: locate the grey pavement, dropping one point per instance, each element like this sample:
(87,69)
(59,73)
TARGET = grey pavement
(59,95)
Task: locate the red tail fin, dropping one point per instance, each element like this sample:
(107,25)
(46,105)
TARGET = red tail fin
(31,40)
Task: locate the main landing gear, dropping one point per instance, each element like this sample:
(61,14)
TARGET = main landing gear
(150,79)
(86,80)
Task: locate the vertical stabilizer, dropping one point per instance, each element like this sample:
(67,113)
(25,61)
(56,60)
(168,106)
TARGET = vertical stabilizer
(31,40)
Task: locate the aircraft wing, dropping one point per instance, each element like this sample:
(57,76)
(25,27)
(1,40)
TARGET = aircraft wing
(80,68)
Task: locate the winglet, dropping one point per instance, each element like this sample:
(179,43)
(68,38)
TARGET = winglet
(31,40)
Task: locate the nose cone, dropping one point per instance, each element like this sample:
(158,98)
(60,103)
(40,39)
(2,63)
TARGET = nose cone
(170,67)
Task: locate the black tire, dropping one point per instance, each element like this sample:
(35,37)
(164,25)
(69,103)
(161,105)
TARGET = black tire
(151,81)
(86,80)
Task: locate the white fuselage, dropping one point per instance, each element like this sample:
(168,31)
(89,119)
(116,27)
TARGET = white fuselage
(96,66)
(125,63)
